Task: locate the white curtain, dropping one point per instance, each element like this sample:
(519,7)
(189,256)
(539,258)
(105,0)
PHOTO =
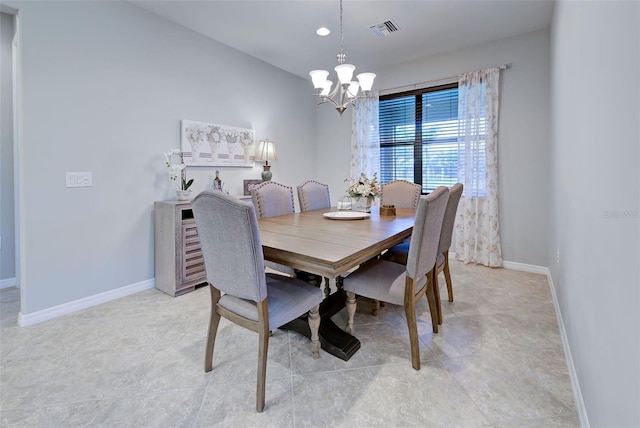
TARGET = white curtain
(477,230)
(365,141)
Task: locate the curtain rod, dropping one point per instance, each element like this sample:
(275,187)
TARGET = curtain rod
(438,82)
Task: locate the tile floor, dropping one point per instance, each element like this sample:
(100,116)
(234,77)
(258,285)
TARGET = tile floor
(138,362)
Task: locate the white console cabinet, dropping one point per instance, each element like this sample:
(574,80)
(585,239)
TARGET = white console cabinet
(179,266)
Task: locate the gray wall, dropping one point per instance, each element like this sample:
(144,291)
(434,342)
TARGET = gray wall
(105,85)
(523,135)
(7,253)
(595,169)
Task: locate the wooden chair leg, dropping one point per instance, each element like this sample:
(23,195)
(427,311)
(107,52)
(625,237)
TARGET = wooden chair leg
(447,275)
(350,304)
(377,304)
(436,292)
(214,321)
(376,308)
(314,326)
(410,312)
(263,348)
(431,299)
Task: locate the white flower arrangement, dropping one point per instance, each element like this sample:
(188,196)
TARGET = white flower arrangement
(177,171)
(363,187)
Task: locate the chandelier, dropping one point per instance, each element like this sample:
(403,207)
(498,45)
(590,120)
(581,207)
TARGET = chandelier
(347,91)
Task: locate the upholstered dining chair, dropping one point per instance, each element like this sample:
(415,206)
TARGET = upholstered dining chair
(313,195)
(405,284)
(233,258)
(401,194)
(400,252)
(272,199)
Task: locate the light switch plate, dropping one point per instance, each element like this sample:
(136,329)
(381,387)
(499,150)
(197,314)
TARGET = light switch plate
(79,179)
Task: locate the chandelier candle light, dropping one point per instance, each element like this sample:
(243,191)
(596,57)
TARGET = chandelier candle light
(266,152)
(346,91)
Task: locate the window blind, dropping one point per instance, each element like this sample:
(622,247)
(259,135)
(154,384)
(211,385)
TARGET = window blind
(419,137)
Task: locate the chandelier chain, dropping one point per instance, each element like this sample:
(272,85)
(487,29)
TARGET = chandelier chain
(341,56)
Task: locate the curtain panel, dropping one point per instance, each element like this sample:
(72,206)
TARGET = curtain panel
(477,229)
(365,139)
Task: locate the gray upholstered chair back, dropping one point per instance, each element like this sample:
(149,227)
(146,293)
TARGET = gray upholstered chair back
(401,193)
(231,246)
(313,196)
(455,192)
(425,236)
(272,199)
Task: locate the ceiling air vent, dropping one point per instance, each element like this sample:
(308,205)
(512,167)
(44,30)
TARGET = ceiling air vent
(384,29)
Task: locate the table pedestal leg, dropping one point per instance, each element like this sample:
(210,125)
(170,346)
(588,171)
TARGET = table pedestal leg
(333,339)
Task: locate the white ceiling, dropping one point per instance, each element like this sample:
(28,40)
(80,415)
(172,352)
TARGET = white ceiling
(282,33)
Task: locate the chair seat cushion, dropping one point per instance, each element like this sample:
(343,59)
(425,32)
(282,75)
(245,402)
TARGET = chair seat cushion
(288,299)
(381,280)
(399,253)
(288,270)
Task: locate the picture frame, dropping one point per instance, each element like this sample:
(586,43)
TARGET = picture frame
(210,144)
(248,184)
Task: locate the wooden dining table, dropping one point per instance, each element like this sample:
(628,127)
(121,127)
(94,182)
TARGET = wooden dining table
(310,242)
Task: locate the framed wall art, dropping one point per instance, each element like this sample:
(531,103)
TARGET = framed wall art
(208,144)
(247,185)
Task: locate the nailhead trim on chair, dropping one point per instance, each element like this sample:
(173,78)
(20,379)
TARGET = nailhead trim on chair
(417,196)
(259,196)
(302,198)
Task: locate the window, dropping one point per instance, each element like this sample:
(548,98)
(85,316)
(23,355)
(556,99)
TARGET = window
(419,137)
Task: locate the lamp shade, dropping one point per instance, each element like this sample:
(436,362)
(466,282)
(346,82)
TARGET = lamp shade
(266,151)
(352,90)
(366,81)
(318,77)
(345,73)
(327,88)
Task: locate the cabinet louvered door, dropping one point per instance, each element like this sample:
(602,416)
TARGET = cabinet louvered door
(192,261)
(179,265)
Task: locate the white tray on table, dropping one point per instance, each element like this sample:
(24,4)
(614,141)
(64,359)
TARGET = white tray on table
(346,215)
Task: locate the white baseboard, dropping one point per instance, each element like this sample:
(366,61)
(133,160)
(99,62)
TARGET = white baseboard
(525,267)
(575,384)
(87,302)
(517,266)
(6,283)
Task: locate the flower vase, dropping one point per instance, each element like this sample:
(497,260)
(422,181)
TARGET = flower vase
(183,195)
(214,153)
(363,205)
(247,153)
(231,148)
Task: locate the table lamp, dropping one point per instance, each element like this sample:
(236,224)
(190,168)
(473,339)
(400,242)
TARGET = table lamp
(266,152)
